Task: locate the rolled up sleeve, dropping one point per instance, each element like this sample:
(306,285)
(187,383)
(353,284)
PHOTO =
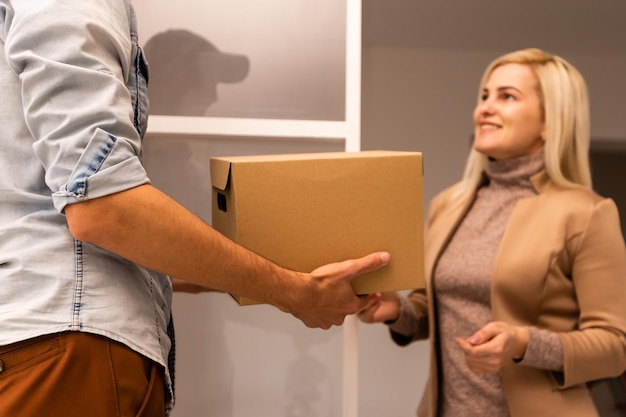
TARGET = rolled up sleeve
(74,60)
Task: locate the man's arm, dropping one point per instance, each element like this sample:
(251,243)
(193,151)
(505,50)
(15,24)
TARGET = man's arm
(147,227)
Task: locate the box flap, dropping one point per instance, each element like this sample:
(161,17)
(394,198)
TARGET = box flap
(220,172)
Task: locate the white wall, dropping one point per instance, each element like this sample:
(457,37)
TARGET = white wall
(295,49)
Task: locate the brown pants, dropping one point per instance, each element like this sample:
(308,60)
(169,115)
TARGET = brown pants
(78,375)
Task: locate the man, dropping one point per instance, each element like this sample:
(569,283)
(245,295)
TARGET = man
(87,244)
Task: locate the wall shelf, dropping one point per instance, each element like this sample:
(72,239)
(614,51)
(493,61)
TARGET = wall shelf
(226,126)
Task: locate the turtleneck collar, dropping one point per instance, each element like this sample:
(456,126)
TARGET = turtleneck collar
(514,171)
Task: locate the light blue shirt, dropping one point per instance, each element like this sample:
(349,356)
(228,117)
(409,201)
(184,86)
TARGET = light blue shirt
(73,109)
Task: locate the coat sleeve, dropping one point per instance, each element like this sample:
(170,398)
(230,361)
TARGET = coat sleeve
(597,349)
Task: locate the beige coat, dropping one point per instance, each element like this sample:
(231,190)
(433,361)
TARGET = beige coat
(561,266)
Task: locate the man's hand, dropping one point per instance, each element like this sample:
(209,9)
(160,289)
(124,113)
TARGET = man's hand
(329,296)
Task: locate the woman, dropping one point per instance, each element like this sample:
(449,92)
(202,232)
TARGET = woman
(525,299)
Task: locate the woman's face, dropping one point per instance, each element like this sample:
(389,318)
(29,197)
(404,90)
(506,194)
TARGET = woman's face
(508,120)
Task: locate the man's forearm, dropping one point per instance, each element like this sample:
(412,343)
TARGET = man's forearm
(147,227)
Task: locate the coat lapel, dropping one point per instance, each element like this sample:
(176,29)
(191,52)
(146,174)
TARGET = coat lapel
(441,231)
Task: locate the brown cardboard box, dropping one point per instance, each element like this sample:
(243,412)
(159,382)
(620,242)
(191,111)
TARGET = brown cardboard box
(305,210)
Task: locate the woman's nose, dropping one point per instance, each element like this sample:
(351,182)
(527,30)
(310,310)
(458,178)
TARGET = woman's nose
(485,106)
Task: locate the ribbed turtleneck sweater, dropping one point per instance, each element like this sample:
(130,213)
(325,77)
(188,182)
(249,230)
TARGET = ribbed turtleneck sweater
(462,282)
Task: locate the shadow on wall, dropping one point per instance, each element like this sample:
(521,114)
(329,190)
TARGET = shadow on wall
(185,69)
(308,391)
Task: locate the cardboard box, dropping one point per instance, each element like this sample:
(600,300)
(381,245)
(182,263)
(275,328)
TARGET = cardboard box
(302,211)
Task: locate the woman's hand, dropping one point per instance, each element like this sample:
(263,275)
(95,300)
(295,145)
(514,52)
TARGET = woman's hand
(488,349)
(379,307)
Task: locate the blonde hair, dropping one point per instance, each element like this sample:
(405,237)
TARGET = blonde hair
(565,108)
